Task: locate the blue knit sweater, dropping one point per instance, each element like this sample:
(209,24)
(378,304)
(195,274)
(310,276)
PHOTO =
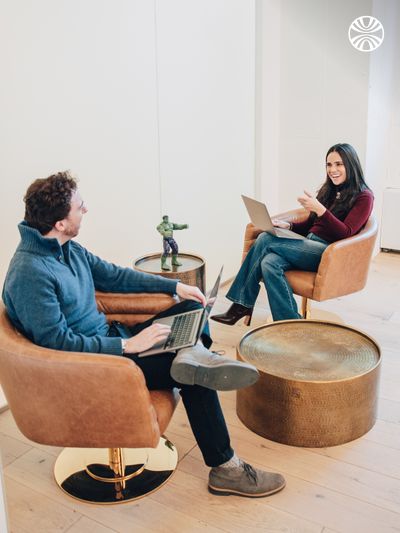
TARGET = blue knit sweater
(49,293)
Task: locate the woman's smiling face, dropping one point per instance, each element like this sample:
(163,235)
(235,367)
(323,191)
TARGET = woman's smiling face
(335,168)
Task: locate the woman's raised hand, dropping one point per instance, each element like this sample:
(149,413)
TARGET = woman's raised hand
(309,202)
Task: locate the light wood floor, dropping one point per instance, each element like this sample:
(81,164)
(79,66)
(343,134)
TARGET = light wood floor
(350,488)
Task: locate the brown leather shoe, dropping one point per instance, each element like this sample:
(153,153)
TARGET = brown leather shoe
(234,313)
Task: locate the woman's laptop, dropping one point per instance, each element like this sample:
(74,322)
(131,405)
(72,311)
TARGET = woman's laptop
(259,215)
(186,327)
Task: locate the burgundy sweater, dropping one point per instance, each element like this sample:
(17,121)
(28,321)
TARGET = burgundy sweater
(330,228)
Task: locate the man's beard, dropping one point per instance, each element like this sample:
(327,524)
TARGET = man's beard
(72,231)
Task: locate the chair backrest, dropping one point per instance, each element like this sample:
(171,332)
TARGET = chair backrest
(345,264)
(75,399)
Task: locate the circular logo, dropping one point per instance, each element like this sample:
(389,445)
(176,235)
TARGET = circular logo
(366,33)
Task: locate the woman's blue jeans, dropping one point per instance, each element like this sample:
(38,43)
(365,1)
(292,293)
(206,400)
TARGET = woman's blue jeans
(267,261)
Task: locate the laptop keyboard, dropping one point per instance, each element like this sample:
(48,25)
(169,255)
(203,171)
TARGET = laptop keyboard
(181,330)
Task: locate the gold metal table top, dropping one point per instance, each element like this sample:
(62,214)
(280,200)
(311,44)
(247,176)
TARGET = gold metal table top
(310,350)
(151,263)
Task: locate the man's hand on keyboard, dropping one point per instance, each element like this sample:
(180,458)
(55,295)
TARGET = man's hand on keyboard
(188,292)
(147,338)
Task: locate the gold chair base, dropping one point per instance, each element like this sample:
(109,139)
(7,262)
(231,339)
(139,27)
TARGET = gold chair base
(109,476)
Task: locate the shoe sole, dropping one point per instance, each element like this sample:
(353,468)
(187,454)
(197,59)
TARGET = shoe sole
(225,377)
(232,492)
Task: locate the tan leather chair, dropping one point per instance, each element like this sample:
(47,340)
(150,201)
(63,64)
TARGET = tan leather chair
(343,268)
(94,405)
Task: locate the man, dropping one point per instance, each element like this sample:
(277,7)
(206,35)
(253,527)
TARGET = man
(49,293)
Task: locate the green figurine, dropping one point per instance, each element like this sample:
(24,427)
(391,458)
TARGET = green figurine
(166,228)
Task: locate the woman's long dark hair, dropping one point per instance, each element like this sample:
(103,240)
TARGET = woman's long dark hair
(354,184)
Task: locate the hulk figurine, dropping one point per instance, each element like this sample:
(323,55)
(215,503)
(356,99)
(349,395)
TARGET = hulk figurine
(166,228)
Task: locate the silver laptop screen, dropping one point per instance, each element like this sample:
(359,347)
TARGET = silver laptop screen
(211,300)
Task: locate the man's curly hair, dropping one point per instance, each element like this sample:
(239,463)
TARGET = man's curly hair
(48,200)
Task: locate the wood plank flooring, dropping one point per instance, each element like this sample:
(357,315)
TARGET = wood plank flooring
(351,488)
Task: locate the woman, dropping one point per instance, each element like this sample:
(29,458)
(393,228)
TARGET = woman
(340,210)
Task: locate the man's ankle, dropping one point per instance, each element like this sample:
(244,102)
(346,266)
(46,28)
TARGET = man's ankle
(233,462)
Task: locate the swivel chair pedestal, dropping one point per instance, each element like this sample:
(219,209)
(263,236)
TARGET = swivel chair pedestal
(114,475)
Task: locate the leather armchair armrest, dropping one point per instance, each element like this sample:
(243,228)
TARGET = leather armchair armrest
(139,303)
(131,309)
(250,235)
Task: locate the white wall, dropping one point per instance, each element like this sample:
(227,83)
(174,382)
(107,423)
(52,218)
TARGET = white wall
(268,87)
(383,138)
(320,93)
(314,89)
(206,103)
(150,103)
(80,94)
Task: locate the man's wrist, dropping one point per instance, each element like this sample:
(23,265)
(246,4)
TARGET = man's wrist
(123,345)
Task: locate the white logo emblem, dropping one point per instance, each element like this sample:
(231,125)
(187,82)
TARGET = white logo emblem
(366,33)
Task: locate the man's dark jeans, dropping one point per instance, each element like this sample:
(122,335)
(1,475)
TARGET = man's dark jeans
(201,404)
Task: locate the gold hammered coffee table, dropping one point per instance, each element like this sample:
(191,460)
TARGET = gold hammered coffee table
(318,382)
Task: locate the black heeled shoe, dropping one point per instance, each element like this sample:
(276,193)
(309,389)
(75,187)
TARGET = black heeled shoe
(234,313)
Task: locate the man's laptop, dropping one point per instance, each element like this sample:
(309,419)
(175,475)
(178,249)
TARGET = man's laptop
(186,327)
(259,215)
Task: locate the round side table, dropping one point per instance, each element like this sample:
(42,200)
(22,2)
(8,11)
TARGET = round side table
(192,271)
(318,382)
